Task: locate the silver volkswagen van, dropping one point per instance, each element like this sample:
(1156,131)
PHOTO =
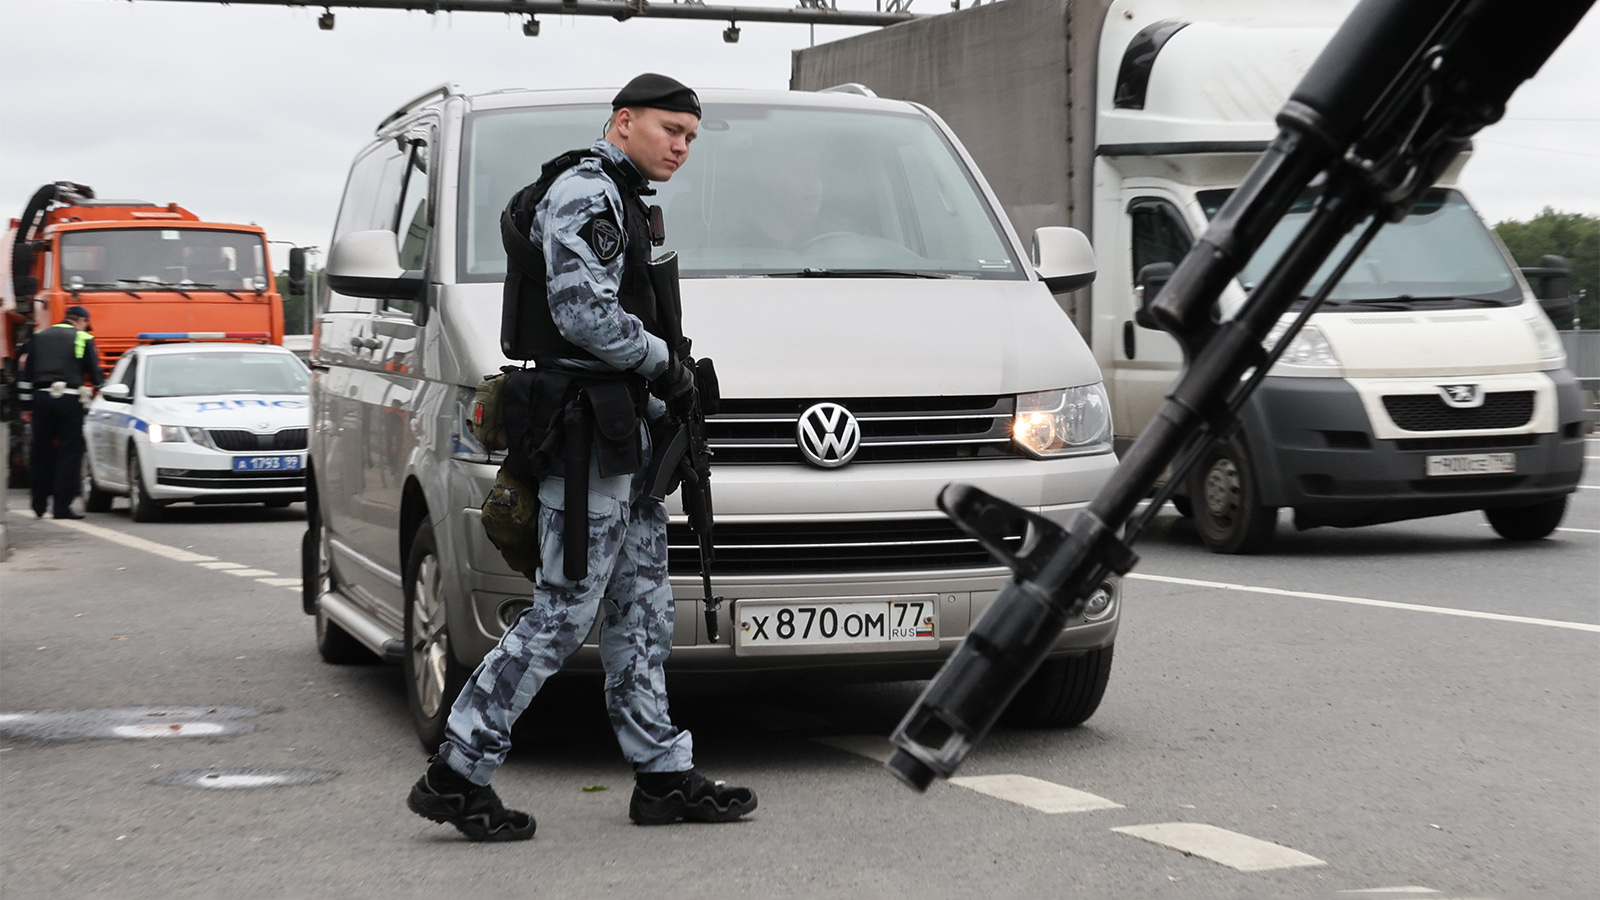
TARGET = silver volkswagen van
(879,331)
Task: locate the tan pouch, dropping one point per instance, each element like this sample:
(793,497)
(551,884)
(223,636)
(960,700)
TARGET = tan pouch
(487,416)
(511,520)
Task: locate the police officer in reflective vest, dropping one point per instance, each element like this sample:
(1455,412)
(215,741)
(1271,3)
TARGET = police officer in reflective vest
(59,360)
(602,371)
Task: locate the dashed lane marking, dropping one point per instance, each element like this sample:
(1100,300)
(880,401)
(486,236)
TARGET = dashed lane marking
(1035,793)
(869,745)
(1364,601)
(264,576)
(1410,889)
(1234,850)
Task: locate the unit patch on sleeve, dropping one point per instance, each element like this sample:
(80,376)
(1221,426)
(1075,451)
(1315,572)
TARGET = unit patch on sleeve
(603,237)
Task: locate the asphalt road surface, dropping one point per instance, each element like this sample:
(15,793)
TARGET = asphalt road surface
(1408,710)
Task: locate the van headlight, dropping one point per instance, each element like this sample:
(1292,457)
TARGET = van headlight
(1063,422)
(1544,334)
(1309,348)
(166,434)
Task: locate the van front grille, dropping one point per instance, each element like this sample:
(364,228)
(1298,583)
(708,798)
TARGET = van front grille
(1429,412)
(893,429)
(777,548)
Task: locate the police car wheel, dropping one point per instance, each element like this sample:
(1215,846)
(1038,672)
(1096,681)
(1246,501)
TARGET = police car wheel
(1224,495)
(94,499)
(140,507)
(1063,693)
(433,677)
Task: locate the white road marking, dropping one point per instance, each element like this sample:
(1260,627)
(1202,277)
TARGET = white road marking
(1363,601)
(1234,850)
(1394,890)
(178,554)
(177,729)
(869,745)
(1035,793)
(1571,530)
(1589,487)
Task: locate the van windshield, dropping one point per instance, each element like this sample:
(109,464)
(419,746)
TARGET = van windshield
(224,372)
(1438,257)
(157,259)
(767,191)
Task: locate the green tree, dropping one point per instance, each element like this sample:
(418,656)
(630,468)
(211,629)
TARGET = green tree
(1572,235)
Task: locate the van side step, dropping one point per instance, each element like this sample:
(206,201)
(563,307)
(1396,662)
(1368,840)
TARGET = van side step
(371,635)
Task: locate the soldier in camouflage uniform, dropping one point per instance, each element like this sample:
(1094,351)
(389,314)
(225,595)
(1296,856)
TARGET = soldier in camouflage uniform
(580,227)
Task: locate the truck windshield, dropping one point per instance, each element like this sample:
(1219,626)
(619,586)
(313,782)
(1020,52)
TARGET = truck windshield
(223,372)
(154,259)
(1440,256)
(767,191)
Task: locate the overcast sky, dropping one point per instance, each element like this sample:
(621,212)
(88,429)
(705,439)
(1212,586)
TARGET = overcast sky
(253,114)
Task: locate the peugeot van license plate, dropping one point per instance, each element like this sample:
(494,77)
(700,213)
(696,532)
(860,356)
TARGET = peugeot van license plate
(1473,464)
(266,463)
(828,622)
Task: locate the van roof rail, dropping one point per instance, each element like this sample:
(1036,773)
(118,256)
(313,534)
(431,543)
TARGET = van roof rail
(849,88)
(449,89)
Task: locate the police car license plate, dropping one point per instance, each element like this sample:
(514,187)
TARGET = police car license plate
(1473,464)
(778,624)
(266,463)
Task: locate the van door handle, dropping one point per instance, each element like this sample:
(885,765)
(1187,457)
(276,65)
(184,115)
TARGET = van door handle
(372,343)
(1128,346)
(357,342)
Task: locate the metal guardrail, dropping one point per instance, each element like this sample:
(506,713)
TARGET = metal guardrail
(1583,356)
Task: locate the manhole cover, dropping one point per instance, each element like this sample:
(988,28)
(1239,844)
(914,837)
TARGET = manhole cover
(139,722)
(241,779)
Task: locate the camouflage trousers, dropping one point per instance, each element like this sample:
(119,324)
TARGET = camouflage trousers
(627,589)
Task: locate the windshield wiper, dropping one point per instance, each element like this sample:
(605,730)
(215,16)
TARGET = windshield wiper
(210,286)
(101,285)
(158,285)
(864,273)
(1406,301)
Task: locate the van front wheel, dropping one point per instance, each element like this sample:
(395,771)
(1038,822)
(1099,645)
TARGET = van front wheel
(433,677)
(1224,493)
(1527,523)
(1063,693)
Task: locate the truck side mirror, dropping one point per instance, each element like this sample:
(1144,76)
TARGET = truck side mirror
(1152,278)
(367,264)
(1063,258)
(1552,285)
(297,271)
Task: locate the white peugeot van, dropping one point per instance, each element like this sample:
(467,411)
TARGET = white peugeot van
(843,261)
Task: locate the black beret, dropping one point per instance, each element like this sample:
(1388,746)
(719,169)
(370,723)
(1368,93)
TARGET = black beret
(658,92)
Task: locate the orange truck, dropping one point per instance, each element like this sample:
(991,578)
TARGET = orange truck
(137,268)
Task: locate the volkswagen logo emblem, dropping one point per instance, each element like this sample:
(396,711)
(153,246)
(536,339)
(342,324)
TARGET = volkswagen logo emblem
(1462,396)
(828,435)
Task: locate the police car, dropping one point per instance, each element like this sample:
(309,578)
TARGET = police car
(179,420)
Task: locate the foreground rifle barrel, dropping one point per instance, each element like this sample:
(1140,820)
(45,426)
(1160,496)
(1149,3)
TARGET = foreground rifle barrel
(1385,108)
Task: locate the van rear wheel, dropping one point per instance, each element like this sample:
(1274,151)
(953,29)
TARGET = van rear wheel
(1527,523)
(1063,693)
(1225,497)
(433,677)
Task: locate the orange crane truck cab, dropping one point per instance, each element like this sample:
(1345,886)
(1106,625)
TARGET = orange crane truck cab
(136,267)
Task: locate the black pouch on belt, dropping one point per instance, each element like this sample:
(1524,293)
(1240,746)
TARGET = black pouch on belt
(616,428)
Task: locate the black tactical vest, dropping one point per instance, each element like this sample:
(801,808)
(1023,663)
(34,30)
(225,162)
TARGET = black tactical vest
(527,330)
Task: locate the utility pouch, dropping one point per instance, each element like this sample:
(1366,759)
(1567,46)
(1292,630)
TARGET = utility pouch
(616,427)
(487,421)
(511,521)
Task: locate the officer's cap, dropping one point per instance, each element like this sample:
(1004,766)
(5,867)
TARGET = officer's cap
(77,312)
(658,92)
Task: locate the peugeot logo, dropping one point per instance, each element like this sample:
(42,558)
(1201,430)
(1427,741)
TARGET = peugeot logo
(828,435)
(1462,396)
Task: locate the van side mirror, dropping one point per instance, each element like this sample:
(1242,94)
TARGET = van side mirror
(1063,258)
(297,271)
(118,392)
(1152,278)
(1551,280)
(367,264)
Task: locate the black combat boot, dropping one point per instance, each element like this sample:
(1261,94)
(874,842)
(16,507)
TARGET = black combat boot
(445,796)
(664,798)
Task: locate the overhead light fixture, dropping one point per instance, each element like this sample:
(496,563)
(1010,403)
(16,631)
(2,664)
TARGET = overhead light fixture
(731,33)
(531,27)
(325,21)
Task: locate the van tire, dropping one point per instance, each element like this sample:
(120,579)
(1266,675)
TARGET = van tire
(94,499)
(433,677)
(1223,492)
(140,507)
(1063,693)
(1527,523)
